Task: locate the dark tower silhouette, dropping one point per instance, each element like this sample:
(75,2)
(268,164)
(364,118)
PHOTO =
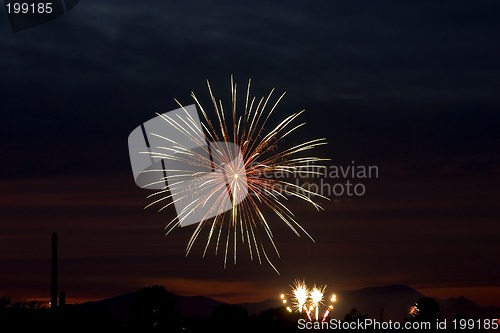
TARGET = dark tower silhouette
(53,279)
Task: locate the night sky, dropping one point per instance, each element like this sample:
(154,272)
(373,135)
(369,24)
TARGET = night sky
(411,88)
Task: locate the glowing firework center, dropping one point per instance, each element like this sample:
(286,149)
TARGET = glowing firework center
(200,193)
(170,152)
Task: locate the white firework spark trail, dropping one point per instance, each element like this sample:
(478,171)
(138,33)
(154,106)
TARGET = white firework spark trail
(254,192)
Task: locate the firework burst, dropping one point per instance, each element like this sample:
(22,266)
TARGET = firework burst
(309,300)
(317,296)
(300,293)
(414,310)
(238,154)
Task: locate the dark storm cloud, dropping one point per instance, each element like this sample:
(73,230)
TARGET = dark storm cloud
(99,71)
(123,61)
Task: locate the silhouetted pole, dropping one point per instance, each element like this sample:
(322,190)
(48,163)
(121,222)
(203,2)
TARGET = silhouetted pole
(53,280)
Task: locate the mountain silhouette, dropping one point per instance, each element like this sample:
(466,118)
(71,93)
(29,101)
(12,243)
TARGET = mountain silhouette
(382,303)
(196,306)
(452,307)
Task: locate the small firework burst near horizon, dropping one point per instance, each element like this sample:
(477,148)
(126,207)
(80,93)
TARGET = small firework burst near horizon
(309,300)
(241,154)
(414,310)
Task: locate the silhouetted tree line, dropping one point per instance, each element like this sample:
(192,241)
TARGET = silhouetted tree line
(154,309)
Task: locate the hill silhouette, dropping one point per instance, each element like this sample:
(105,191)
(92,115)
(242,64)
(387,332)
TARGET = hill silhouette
(155,308)
(390,302)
